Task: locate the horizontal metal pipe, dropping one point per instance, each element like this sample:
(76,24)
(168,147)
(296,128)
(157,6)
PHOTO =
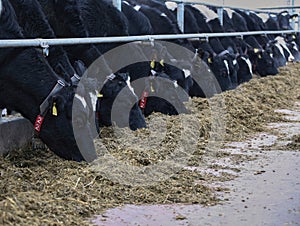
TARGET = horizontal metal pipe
(44,43)
(281,7)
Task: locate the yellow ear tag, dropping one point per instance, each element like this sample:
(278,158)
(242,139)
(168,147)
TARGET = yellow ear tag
(54,109)
(162,63)
(99,95)
(256,50)
(152,88)
(152,64)
(259,56)
(210,60)
(294,36)
(294,17)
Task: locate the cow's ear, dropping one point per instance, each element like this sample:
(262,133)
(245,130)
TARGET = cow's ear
(162,62)
(256,50)
(294,16)
(58,105)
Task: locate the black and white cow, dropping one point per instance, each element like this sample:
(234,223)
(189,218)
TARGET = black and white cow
(25,87)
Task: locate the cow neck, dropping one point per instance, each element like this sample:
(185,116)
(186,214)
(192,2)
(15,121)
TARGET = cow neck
(14,52)
(45,106)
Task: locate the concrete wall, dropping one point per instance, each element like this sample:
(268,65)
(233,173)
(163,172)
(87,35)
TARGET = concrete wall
(14,133)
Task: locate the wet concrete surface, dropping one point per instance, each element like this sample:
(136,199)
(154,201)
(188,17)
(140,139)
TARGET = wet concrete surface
(266,191)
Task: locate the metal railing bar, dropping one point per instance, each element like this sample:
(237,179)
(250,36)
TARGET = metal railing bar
(44,43)
(279,7)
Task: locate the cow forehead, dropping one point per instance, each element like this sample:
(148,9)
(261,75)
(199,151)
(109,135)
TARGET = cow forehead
(284,14)
(208,13)
(137,7)
(171,5)
(263,16)
(229,12)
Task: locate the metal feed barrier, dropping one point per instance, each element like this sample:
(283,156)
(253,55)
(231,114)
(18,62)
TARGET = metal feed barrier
(45,43)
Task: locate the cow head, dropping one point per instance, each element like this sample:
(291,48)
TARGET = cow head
(276,52)
(294,48)
(220,68)
(118,93)
(69,132)
(245,69)
(265,64)
(284,20)
(163,95)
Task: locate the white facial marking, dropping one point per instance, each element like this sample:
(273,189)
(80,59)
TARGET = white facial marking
(208,13)
(186,72)
(171,5)
(129,85)
(227,66)
(229,12)
(163,15)
(111,77)
(263,16)
(137,7)
(93,96)
(234,62)
(3,112)
(82,100)
(175,84)
(248,62)
(153,72)
(294,45)
(284,14)
(126,3)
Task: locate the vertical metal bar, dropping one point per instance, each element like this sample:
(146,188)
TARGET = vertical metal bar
(298,22)
(180,16)
(118,4)
(220,14)
(292,11)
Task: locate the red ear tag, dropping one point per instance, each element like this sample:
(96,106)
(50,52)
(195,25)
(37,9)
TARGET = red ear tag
(38,123)
(143,100)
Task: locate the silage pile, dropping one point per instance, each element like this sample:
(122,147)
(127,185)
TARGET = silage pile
(38,188)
